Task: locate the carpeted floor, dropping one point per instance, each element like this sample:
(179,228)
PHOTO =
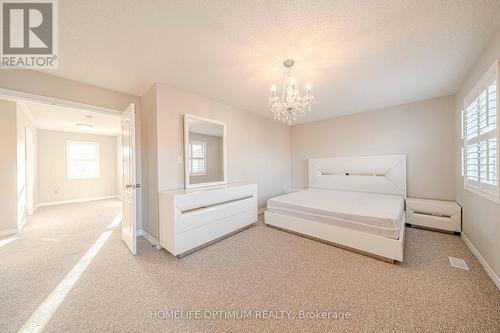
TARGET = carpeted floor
(260,269)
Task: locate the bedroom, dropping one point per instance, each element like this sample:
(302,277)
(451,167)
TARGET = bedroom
(392,104)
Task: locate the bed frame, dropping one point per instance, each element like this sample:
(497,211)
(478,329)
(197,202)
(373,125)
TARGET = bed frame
(371,174)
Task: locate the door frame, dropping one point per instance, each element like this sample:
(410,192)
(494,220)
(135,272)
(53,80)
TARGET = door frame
(20,96)
(29,160)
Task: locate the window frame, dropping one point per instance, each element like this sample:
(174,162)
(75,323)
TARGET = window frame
(190,158)
(494,193)
(97,174)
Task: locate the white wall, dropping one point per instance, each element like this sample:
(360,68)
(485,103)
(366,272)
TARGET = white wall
(8,151)
(424,131)
(52,168)
(258,147)
(481,217)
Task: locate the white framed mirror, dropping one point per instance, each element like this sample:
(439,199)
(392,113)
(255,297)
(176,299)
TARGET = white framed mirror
(204,152)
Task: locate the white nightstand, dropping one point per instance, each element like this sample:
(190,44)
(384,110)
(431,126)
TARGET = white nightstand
(434,214)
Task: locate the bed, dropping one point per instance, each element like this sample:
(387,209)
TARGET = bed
(354,202)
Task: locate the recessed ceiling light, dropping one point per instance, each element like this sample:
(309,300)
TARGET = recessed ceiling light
(84,126)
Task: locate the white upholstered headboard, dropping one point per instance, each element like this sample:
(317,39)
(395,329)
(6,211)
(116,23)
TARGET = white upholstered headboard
(374,174)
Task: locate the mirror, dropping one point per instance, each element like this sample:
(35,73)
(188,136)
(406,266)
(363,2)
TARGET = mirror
(204,152)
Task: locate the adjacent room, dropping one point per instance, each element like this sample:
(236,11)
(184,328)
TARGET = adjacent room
(217,166)
(59,157)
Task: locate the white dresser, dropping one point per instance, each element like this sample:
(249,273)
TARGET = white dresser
(193,218)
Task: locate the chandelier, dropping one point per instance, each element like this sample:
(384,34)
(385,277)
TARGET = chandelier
(290,106)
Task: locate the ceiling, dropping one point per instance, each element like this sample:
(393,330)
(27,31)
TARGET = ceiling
(57,118)
(358,55)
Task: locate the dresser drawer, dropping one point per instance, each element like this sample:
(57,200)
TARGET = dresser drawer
(434,222)
(193,238)
(196,218)
(203,198)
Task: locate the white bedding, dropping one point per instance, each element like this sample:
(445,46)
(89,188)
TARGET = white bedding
(378,214)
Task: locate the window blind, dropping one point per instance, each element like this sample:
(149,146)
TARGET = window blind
(480,135)
(197,158)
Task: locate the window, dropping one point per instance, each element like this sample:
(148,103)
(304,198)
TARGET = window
(82,160)
(197,158)
(480,137)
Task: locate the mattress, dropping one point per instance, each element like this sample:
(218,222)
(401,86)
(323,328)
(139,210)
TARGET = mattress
(378,214)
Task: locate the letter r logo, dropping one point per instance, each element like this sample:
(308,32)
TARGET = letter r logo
(27,27)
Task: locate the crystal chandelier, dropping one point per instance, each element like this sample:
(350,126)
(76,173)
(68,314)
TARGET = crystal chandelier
(290,106)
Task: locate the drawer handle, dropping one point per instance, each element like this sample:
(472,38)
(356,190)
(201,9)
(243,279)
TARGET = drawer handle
(192,210)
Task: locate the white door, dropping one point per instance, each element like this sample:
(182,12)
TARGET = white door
(130,186)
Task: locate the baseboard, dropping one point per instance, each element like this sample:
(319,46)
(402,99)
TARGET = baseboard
(149,238)
(65,202)
(487,268)
(8,232)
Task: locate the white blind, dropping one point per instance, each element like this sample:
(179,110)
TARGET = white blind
(481,136)
(197,158)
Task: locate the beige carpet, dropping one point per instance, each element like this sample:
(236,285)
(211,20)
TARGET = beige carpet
(258,269)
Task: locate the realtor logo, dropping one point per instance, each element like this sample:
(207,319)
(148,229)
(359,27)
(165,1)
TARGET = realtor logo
(29,34)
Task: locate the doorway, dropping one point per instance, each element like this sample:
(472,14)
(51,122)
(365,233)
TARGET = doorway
(43,130)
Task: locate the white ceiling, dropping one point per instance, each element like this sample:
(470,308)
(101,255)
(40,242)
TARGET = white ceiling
(358,55)
(57,118)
